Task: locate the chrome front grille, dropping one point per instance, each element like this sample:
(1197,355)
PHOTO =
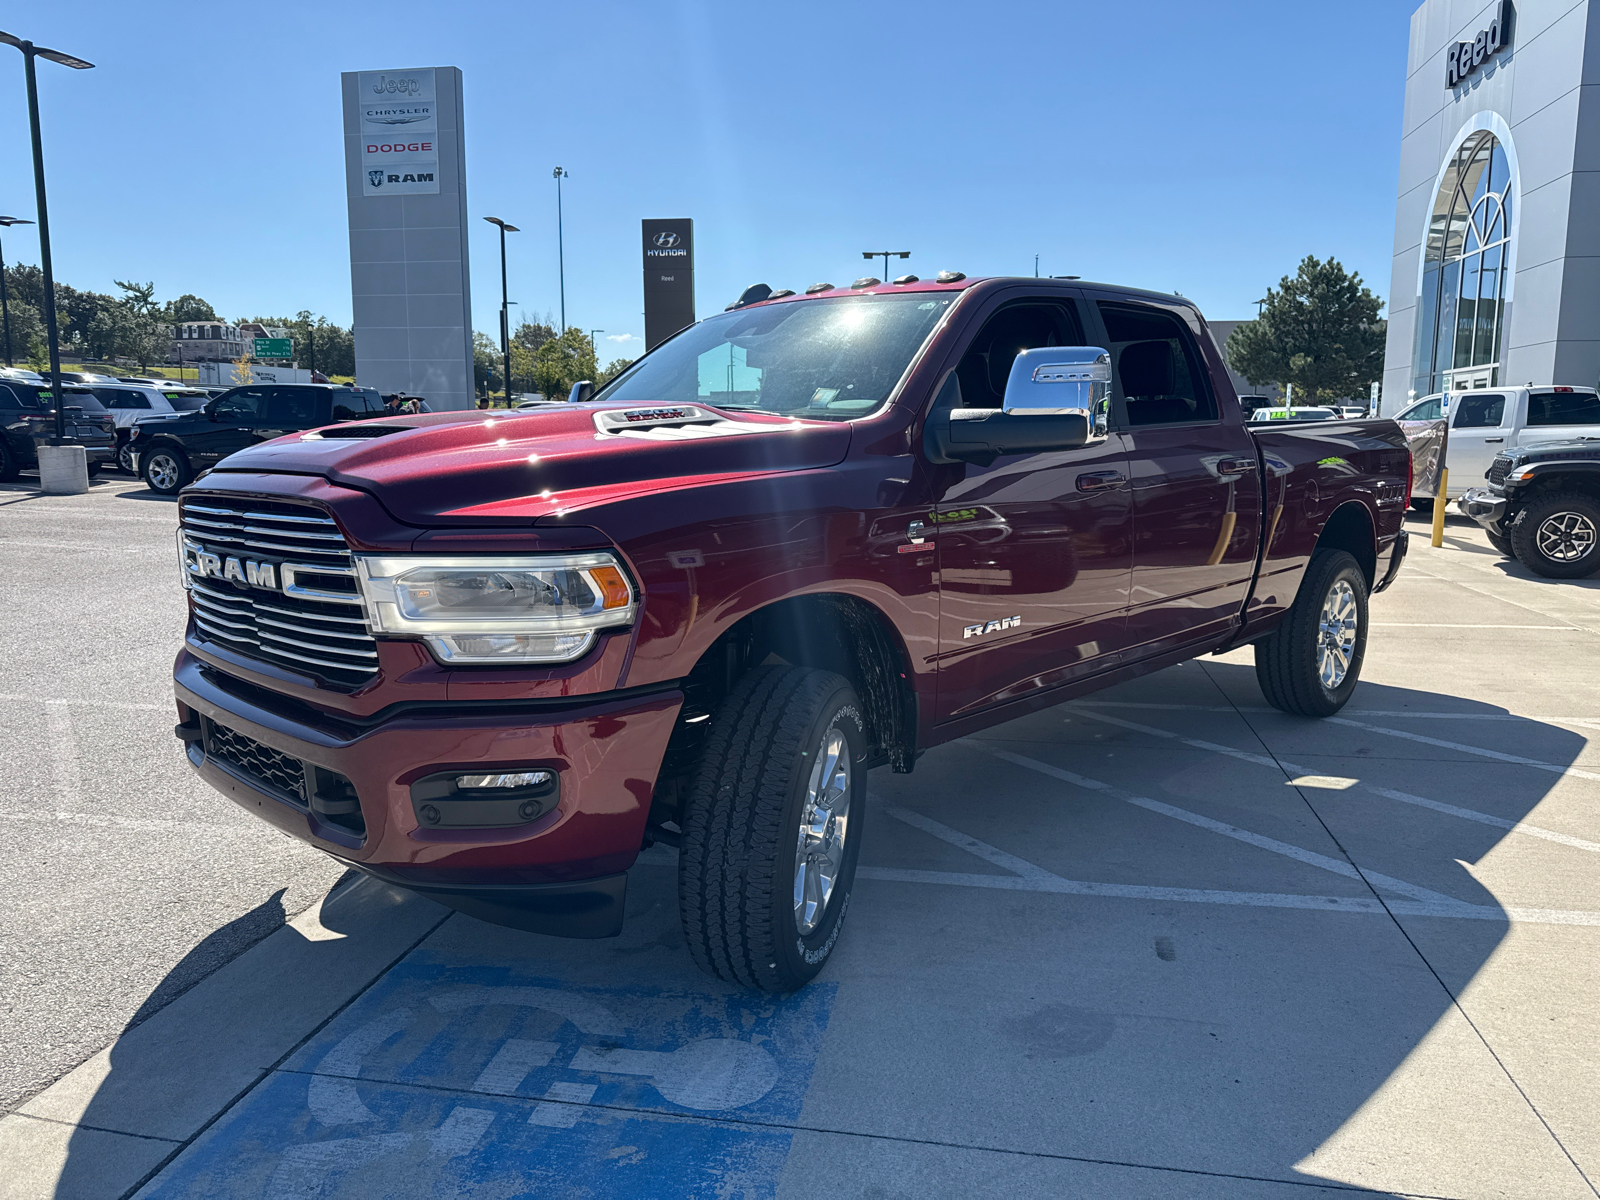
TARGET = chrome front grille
(310,620)
(1498,469)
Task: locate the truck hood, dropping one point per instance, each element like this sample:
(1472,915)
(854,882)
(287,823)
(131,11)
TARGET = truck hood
(516,468)
(1563,451)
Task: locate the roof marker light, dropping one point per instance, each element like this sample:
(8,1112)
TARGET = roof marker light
(781,293)
(819,287)
(950,277)
(867,281)
(904,279)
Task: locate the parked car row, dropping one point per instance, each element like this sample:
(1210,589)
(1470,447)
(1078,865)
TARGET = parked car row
(28,417)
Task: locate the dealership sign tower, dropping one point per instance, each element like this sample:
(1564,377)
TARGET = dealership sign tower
(406,188)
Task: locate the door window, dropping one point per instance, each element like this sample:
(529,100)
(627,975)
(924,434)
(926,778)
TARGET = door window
(986,366)
(1430,409)
(348,406)
(1563,408)
(294,408)
(1156,369)
(122,399)
(246,405)
(1479,412)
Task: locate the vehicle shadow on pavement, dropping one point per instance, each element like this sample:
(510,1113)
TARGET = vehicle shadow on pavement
(1201,1033)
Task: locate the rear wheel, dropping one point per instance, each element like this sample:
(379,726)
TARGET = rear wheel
(1501,543)
(94,469)
(165,469)
(125,459)
(1311,663)
(1556,536)
(772,828)
(9,466)
(1422,504)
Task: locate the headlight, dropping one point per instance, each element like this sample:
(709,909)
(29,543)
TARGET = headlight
(545,608)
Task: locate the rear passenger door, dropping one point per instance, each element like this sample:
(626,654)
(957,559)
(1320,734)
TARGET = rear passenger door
(290,410)
(1195,487)
(231,422)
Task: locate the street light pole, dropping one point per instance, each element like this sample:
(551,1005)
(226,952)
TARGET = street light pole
(561,249)
(886,255)
(505,304)
(5,310)
(29,52)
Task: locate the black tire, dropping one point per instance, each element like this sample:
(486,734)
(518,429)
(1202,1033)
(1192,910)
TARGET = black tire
(1575,532)
(165,469)
(125,459)
(1422,504)
(10,468)
(1288,662)
(93,469)
(741,824)
(1501,543)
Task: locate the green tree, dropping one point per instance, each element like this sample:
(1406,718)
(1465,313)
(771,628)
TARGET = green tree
(1319,331)
(140,297)
(486,364)
(560,362)
(27,333)
(614,368)
(187,307)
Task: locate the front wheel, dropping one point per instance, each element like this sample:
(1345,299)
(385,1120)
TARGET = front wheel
(125,459)
(165,470)
(772,828)
(1501,543)
(1310,664)
(1555,536)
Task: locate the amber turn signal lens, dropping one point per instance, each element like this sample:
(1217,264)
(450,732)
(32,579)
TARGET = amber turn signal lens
(612,586)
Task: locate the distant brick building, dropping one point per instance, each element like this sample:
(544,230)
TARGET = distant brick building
(206,341)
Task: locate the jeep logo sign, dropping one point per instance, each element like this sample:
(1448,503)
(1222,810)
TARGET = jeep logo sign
(1463,58)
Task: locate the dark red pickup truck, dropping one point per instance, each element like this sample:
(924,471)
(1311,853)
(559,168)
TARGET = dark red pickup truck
(490,658)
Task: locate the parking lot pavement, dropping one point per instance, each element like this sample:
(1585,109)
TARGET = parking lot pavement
(1160,941)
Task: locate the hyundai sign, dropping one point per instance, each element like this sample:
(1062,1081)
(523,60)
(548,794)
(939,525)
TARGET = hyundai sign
(668,278)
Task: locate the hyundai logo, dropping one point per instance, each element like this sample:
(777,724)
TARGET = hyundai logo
(667,240)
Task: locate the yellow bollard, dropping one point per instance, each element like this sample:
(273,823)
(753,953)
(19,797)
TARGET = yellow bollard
(1439,503)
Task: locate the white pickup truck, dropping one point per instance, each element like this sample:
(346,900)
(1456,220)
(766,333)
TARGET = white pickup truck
(1483,423)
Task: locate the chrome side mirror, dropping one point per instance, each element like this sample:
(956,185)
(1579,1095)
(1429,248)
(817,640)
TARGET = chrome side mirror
(1059,381)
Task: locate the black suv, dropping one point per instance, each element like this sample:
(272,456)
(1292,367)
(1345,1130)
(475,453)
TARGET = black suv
(27,417)
(1542,506)
(172,452)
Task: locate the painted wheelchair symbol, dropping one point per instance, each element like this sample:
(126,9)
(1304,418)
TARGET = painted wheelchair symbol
(710,1075)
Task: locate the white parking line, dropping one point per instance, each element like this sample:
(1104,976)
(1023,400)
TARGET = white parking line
(63,753)
(1310,857)
(71,818)
(1556,768)
(5,542)
(1038,879)
(1283,764)
(1453,625)
(1358,712)
(22,698)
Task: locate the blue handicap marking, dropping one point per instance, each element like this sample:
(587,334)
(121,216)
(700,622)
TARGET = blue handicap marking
(451,1079)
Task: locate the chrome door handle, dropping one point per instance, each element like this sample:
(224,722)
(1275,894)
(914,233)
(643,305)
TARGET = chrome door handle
(1099,481)
(1486,441)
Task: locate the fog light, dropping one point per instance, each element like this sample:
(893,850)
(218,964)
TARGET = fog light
(519,780)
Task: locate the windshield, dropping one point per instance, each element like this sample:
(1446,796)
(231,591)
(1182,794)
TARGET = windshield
(826,360)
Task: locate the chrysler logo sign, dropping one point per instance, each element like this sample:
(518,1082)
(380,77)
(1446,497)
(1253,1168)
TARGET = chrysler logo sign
(1463,58)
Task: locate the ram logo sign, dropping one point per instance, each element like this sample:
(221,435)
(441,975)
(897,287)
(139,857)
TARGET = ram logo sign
(995,626)
(205,565)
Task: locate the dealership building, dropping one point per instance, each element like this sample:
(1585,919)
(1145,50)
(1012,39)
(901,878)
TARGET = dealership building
(1496,275)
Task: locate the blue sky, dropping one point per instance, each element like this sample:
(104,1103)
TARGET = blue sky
(1201,148)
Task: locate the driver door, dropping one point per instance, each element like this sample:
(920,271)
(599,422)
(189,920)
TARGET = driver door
(1034,549)
(231,424)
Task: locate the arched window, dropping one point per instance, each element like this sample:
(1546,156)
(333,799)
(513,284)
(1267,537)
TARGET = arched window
(1462,306)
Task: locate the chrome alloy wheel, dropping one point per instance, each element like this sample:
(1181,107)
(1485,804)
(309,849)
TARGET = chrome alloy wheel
(1336,634)
(1565,536)
(164,471)
(824,824)
(125,458)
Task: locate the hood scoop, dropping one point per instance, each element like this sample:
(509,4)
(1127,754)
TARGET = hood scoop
(351,432)
(672,423)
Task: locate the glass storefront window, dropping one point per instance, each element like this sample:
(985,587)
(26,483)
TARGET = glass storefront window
(1461,310)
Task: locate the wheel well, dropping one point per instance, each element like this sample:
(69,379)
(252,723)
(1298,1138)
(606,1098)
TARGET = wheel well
(1350,529)
(836,633)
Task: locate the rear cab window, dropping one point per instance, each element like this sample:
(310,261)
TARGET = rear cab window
(1563,408)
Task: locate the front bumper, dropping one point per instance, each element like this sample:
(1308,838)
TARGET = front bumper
(1485,506)
(560,873)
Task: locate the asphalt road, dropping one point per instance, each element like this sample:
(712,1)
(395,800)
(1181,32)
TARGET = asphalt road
(1160,942)
(126,879)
